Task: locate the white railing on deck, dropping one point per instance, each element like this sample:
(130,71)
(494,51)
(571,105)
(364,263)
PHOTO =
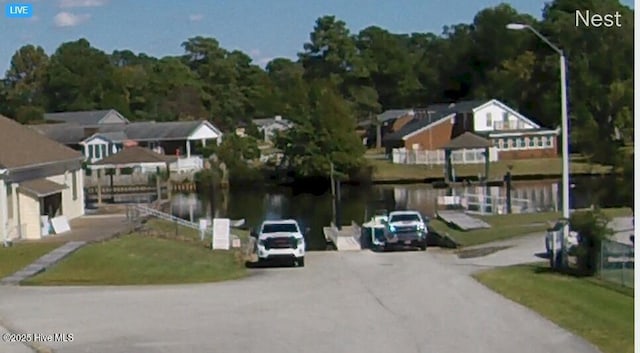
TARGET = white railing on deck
(187,164)
(437,157)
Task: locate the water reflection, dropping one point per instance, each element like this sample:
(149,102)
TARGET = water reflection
(537,196)
(316,211)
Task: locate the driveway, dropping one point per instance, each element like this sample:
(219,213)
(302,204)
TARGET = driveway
(340,302)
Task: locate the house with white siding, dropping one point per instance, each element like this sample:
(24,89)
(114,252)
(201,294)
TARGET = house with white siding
(40,179)
(100,134)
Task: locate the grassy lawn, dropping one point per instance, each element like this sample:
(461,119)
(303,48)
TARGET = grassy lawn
(509,226)
(19,255)
(158,257)
(599,312)
(387,171)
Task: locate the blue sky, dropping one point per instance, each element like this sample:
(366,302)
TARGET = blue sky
(262,28)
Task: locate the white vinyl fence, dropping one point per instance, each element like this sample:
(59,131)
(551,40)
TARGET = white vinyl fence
(436,157)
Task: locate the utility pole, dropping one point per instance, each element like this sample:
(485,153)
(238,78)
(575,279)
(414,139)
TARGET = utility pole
(333,196)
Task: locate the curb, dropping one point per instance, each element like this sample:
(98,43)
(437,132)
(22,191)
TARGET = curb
(34,346)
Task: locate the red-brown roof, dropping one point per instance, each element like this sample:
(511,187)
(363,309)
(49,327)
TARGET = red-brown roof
(135,155)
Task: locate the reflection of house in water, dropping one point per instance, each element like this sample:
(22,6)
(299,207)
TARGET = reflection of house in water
(274,206)
(187,206)
(541,195)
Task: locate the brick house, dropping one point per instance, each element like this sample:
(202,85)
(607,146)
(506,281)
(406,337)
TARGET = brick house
(373,131)
(513,135)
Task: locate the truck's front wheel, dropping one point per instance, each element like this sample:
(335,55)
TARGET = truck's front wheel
(300,261)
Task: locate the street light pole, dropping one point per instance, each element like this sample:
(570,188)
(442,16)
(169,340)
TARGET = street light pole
(565,161)
(565,136)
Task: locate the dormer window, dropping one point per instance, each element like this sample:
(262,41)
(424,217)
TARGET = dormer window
(489,120)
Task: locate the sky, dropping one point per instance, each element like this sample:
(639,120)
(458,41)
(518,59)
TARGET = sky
(263,29)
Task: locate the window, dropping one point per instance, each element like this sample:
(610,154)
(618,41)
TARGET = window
(505,117)
(405,218)
(521,142)
(533,142)
(489,120)
(103,150)
(91,151)
(279,228)
(549,141)
(539,142)
(74,184)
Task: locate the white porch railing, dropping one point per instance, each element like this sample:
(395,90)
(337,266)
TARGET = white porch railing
(187,164)
(437,157)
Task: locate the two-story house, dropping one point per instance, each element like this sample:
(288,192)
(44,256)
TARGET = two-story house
(513,135)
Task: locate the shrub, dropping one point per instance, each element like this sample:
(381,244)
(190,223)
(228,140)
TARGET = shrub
(592,229)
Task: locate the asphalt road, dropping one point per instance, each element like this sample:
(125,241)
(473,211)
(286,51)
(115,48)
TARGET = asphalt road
(340,302)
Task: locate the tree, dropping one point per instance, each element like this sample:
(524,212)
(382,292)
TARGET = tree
(332,54)
(289,88)
(80,77)
(24,81)
(328,136)
(176,93)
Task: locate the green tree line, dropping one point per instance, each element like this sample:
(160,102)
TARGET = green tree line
(341,78)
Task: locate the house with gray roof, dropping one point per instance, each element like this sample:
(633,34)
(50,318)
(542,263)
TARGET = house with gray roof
(513,135)
(100,134)
(87,118)
(269,127)
(40,181)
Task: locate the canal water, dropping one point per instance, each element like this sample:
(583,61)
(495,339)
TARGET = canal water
(316,210)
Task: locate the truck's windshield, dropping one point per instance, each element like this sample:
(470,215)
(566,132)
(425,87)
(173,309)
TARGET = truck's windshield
(404,218)
(279,227)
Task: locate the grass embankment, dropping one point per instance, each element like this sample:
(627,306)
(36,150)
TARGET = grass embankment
(386,171)
(599,312)
(509,226)
(19,255)
(156,256)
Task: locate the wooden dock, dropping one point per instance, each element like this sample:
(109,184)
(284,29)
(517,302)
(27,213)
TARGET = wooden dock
(345,239)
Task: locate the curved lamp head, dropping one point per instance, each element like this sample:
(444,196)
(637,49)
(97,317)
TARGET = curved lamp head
(516,26)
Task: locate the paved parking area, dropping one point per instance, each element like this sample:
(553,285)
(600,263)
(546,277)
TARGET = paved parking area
(340,302)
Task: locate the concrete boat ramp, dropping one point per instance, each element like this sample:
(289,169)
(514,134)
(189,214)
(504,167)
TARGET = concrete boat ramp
(462,220)
(347,238)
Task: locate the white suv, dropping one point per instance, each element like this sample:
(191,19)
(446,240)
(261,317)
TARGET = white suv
(281,239)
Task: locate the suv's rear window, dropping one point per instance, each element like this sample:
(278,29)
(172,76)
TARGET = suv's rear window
(276,228)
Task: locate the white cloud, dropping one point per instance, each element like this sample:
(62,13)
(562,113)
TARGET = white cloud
(196,17)
(65,4)
(66,19)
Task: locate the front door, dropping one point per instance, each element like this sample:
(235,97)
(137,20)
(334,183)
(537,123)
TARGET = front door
(51,205)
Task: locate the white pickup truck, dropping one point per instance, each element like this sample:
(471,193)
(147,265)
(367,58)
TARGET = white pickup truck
(406,229)
(280,239)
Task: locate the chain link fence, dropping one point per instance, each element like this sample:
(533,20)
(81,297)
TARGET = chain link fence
(616,263)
